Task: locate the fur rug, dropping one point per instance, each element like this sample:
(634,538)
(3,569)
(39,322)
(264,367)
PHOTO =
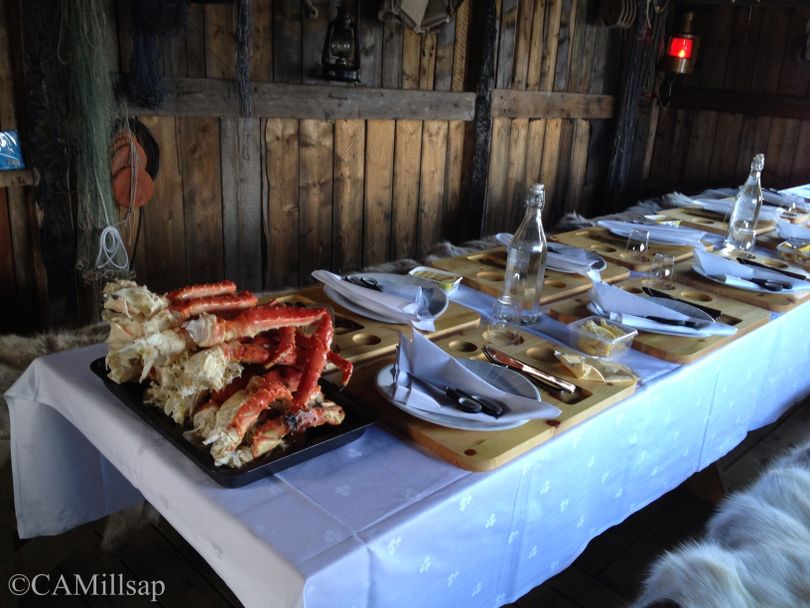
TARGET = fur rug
(17,353)
(756,551)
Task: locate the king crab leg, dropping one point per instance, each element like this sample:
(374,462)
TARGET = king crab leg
(315,348)
(264,394)
(208,330)
(186,309)
(202,290)
(269,435)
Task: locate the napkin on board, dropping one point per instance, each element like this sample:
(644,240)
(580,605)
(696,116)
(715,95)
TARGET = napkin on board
(713,264)
(630,309)
(573,260)
(659,233)
(785,199)
(393,305)
(792,232)
(424,359)
(723,206)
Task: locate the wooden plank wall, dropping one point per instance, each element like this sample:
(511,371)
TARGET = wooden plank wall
(264,201)
(744,50)
(549,45)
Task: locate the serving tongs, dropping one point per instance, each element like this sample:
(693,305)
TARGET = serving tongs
(548,380)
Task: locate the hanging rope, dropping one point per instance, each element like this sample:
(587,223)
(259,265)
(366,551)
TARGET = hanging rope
(639,70)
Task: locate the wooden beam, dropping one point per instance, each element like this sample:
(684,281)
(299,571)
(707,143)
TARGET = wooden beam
(214,97)
(756,104)
(15,178)
(477,145)
(540,104)
(218,97)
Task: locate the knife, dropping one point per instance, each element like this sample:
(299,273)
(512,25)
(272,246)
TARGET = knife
(764,283)
(787,273)
(690,323)
(501,358)
(714,313)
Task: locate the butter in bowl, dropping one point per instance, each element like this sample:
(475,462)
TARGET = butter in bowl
(601,338)
(448,282)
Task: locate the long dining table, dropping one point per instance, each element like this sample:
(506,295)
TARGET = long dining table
(381,522)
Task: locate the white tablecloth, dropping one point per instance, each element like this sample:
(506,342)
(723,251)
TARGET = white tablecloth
(379,522)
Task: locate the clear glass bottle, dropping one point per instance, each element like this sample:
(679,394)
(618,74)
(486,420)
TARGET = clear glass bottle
(745,211)
(526,259)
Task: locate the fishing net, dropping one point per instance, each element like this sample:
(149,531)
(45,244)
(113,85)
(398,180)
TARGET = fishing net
(83,49)
(151,20)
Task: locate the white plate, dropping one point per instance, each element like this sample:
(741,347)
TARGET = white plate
(681,307)
(505,379)
(437,301)
(745,287)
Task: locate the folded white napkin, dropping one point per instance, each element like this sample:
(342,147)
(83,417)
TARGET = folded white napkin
(802,192)
(572,261)
(736,273)
(792,232)
(630,309)
(392,305)
(423,359)
(785,199)
(723,206)
(659,233)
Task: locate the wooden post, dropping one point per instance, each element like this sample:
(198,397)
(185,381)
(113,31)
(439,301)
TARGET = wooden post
(477,147)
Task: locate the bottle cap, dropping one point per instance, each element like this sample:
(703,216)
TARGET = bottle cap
(758,164)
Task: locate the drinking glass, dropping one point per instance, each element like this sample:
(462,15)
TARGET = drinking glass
(638,244)
(502,328)
(661,272)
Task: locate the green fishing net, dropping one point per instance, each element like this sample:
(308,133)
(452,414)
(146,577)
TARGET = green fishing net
(86,48)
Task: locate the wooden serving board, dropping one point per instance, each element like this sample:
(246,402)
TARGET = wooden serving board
(486,450)
(613,247)
(769,241)
(483,270)
(709,221)
(360,339)
(678,349)
(777,302)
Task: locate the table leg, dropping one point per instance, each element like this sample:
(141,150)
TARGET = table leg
(707,484)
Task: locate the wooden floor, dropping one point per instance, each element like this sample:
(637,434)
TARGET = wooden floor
(608,574)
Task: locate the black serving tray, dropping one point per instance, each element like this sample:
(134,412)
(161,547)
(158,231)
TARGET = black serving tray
(316,440)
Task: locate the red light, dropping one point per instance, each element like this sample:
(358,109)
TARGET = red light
(680,48)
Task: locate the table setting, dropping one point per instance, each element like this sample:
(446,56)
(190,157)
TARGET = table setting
(741,274)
